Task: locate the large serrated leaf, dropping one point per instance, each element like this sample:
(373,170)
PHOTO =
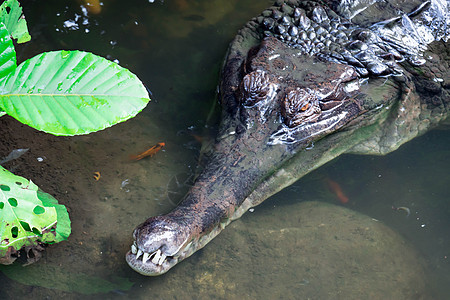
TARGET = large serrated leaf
(7,53)
(11,16)
(28,216)
(72,92)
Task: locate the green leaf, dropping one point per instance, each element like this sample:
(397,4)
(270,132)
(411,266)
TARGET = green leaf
(7,53)
(72,92)
(11,15)
(62,230)
(28,216)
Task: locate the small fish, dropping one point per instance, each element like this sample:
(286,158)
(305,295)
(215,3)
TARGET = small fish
(16,153)
(198,138)
(337,190)
(404,208)
(150,152)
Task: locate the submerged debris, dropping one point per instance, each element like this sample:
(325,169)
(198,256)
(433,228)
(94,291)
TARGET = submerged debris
(124,183)
(97,176)
(16,153)
(406,209)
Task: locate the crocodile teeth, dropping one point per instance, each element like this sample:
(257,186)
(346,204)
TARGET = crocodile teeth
(161,259)
(155,259)
(145,257)
(139,253)
(133,249)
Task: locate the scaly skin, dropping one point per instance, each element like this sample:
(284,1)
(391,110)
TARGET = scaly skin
(284,90)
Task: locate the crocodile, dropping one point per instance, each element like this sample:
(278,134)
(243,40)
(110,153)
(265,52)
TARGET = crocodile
(303,83)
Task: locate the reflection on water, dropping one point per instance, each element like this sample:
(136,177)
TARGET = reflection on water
(176,48)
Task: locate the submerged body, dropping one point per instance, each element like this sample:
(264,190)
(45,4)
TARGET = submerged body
(303,83)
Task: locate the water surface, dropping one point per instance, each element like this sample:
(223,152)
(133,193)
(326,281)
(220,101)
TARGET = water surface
(176,48)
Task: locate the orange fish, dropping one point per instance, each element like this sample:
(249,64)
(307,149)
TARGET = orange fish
(197,138)
(336,189)
(150,152)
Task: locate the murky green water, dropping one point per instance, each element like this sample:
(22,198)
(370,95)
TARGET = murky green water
(176,48)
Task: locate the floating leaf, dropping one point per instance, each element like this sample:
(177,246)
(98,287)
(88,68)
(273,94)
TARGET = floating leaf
(28,216)
(72,92)
(7,53)
(11,15)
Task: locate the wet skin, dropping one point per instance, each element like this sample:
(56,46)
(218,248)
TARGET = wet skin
(290,105)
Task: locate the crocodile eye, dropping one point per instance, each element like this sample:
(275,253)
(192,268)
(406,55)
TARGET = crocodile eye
(256,87)
(305,107)
(299,106)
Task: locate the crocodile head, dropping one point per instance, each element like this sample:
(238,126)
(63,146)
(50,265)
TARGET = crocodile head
(288,108)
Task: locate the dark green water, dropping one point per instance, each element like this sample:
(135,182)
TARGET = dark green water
(176,48)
